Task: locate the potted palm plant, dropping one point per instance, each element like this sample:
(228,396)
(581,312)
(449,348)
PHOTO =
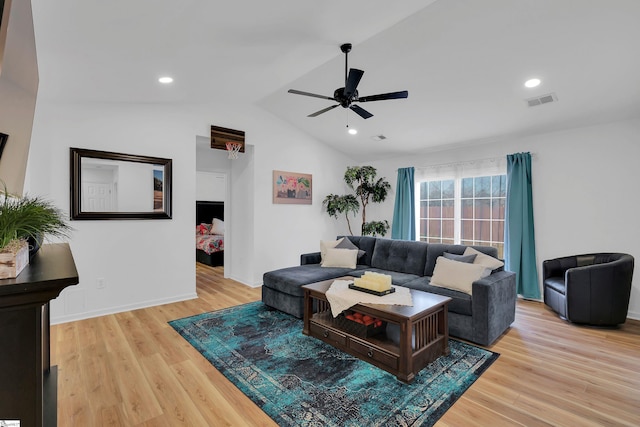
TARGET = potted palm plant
(23,220)
(362,180)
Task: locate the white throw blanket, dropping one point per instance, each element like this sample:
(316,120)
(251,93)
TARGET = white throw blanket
(340,297)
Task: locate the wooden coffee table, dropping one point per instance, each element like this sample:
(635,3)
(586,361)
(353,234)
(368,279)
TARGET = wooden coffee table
(415,336)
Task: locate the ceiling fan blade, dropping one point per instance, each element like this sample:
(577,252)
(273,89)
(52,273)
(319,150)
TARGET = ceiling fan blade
(324,110)
(361,111)
(299,92)
(352,82)
(383,96)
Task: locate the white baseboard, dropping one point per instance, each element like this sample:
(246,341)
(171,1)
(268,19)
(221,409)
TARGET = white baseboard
(251,285)
(120,309)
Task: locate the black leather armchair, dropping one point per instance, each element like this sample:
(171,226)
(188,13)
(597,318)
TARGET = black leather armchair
(592,289)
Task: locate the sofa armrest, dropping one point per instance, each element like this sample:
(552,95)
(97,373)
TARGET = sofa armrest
(493,305)
(310,258)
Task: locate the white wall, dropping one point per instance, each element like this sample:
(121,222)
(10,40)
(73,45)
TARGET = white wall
(585,189)
(140,260)
(210,160)
(286,231)
(147,262)
(211,186)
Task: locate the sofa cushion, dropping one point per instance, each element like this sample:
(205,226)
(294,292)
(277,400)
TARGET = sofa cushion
(365,243)
(327,244)
(348,244)
(556,283)
(435,250)
(460,302)
(457,275)
(397,278)
(483,259)
(289,280)
(403,256)
(345,258)
(461,258)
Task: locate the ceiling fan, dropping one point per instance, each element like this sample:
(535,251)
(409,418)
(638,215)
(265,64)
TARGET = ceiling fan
(347,95)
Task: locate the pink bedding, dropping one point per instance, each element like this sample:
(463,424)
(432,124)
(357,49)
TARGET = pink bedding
(208,243)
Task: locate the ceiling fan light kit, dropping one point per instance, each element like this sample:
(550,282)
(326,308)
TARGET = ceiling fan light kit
(347,95)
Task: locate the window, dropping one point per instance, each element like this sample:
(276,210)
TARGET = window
(468,211)
(437,211)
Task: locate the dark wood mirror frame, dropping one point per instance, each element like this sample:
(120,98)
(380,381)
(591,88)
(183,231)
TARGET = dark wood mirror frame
(77,213)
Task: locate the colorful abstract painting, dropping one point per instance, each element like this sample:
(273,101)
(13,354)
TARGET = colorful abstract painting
(291,187)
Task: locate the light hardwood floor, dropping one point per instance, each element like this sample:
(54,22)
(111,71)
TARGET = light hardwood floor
(133,369)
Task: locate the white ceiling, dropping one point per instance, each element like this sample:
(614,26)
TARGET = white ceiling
(463,62)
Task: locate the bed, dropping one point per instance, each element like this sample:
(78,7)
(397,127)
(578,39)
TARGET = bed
(210,233)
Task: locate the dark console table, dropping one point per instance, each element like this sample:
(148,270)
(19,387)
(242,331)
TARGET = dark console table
(28,384)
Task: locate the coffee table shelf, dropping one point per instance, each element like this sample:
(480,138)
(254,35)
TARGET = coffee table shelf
(415,335)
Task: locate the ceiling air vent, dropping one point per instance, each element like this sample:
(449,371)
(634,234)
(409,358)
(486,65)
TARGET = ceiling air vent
(378,137)
(543,99)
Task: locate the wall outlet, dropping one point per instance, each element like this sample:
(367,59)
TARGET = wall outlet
(102,283)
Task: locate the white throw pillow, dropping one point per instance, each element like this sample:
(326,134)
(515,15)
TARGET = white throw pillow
(327,244)
(217,227)
(484,259)
(344,258)
(457,275)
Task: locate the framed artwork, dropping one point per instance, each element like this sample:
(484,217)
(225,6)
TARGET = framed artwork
(292,188)
(3,142)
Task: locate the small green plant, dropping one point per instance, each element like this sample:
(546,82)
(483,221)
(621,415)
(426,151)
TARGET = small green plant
(361,179)
(375,228)
(26,217)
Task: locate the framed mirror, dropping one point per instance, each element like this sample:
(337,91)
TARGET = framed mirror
(107,185)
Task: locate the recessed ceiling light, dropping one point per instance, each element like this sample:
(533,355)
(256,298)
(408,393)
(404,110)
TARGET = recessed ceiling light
(532,83)
(165,80)
(352,131)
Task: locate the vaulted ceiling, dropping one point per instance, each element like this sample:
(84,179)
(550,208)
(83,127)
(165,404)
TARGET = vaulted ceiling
(464,62)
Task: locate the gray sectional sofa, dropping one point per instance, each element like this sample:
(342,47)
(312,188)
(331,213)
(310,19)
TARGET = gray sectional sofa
(480,317)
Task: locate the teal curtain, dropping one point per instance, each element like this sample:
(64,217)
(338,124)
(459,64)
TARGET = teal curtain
(404,221)
(520,246)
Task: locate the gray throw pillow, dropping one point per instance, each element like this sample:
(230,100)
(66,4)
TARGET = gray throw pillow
(348,244)
(460,258)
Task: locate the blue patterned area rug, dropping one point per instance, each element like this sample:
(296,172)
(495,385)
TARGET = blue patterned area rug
(301,381)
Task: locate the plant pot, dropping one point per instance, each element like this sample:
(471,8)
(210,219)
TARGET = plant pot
(11,264)
(34,245)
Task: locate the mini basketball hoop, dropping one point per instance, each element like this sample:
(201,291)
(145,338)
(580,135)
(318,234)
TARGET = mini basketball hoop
(233,149)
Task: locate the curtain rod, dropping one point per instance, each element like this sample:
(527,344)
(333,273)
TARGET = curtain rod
(471,162)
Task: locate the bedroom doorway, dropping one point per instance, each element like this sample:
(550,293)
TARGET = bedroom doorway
(211,197)
(239,202)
